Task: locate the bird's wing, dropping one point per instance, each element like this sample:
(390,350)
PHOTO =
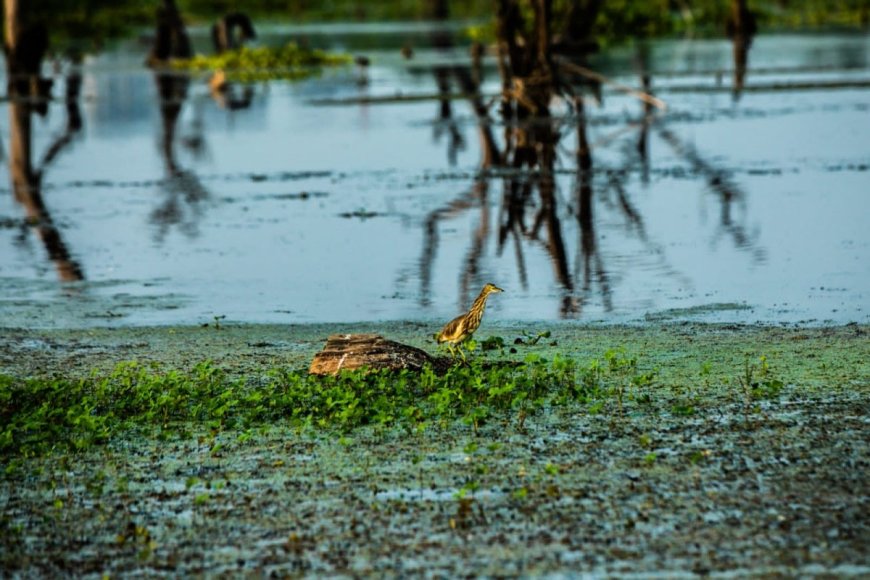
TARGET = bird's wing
(450,330)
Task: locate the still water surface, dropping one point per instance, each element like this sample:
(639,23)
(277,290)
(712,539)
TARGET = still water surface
(301,203)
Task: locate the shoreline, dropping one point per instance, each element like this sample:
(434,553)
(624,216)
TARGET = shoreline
(245,348)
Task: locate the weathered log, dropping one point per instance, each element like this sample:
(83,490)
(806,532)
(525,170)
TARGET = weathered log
(354,351)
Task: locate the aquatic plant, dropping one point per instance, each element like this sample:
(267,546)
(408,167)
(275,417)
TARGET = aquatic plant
(40,415)
(262,63)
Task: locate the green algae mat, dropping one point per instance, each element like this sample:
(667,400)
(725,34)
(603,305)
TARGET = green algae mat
(670,450)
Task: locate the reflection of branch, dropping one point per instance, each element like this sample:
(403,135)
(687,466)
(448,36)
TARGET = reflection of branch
(74,119)
(720,183)
(430,239)
(455,143)
(182,186)
(598,77)
(625,204)
(469,82)
(470,275)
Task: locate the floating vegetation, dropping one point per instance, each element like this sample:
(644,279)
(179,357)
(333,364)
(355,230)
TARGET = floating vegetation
(289,62)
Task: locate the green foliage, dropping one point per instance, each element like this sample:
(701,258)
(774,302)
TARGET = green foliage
(334,10)
(264,63)
(492,343)
(83,25)
(758,381)
(38,416)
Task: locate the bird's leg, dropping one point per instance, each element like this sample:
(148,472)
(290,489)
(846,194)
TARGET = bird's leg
(463,349)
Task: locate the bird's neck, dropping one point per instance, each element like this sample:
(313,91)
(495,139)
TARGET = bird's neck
(480,301)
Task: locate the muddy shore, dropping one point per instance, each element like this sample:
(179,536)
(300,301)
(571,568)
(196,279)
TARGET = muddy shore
(697,482)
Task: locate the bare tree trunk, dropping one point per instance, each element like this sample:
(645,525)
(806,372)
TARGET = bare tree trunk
(12,26)
(742,21)
(543,13)
(171,39)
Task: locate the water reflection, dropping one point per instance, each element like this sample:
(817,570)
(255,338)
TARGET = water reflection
(184,193)
(529,212)
(741,28)
(29,93)
(552,190)
(533,77)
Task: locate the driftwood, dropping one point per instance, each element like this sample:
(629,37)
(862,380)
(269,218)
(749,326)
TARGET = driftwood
(354,351)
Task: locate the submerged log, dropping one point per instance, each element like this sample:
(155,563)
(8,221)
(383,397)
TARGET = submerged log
(354,351)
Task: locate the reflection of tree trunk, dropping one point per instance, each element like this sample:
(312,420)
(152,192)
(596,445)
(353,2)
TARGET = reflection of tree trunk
(182,186)
(442,40)
(172,91)
(26,183)
(430,240)
(590,257)
(469,86)
(28,93)
(741,46)
(529,85)
(469,277)
(24,179)
(555,243)
(643,137)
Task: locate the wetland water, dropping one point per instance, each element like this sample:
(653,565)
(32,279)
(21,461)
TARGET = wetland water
(303,202)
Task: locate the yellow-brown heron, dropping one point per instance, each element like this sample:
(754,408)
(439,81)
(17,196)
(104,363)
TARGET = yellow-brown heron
(462,327)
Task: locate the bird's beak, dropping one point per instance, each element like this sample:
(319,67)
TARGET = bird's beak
(497,289)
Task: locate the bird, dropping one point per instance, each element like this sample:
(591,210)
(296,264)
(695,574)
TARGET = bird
(462,327)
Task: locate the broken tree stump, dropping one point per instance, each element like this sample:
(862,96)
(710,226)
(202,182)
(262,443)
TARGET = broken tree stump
(354,351)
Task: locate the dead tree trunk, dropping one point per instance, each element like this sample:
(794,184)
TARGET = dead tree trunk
(742,21)
(171,40)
